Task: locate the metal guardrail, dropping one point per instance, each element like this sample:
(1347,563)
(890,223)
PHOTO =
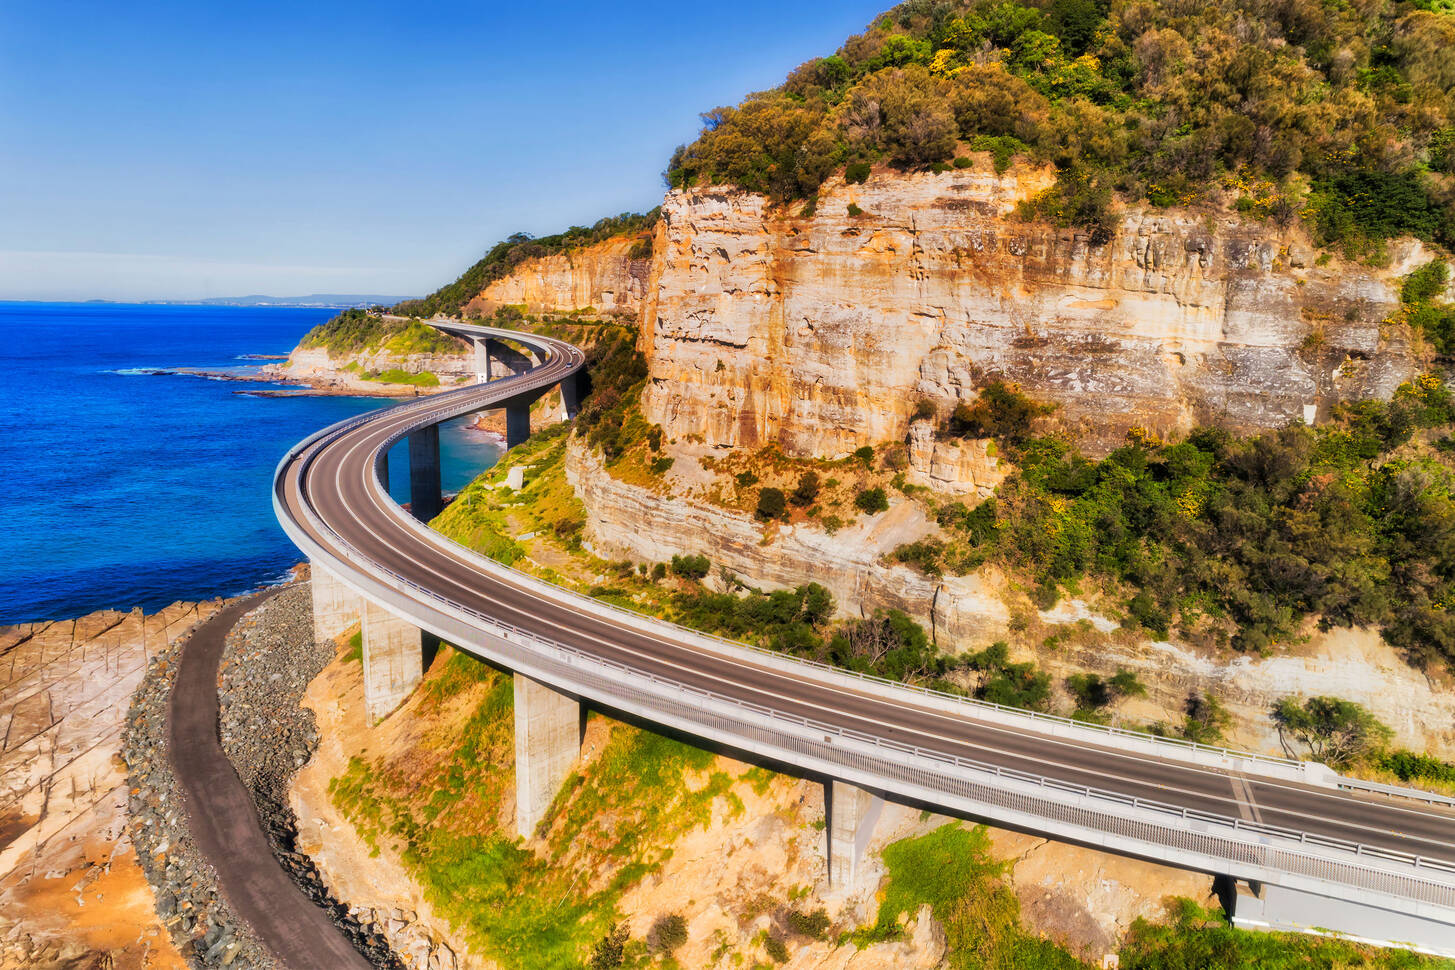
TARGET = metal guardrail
(1335,860)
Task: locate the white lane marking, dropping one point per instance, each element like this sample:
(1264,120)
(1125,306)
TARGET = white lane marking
(405,419)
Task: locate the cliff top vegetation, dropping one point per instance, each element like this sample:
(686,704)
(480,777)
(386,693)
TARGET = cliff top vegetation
(355,331)
(1337,112)
(509,253)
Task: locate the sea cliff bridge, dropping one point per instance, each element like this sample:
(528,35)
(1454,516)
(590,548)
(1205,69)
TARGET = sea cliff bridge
(1294,846)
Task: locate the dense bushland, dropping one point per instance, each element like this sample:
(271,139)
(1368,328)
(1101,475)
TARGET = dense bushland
(1240,540)
(1341,112)
(506,255)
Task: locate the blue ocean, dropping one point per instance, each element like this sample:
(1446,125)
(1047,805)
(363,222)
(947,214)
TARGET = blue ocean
(130,488)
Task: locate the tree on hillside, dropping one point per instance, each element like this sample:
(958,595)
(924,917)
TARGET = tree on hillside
(1334,731)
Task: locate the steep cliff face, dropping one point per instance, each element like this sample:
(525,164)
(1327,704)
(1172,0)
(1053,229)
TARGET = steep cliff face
(819,333)
(605,277)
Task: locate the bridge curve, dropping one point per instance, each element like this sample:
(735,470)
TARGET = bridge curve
(1295,846)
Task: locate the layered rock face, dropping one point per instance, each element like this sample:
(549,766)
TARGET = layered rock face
(819,333)
(626,521)
(603,276)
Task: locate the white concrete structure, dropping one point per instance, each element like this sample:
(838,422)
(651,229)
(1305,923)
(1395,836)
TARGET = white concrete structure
(548,728)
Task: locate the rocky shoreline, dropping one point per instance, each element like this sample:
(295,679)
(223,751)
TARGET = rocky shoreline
(269,659)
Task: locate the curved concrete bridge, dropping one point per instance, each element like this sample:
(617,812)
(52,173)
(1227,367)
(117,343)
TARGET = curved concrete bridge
(1294,845)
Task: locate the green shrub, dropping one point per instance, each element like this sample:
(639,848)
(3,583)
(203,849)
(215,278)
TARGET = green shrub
(668,933)
(771,504)
(690,567)
(1409,766)
(1012,684)
(1003,149)
(745,479)
(812,925)
(1424,283)
(776,949)
(854,210)
(660,466)
(857,173)
(924,410)
(864,455)
(1204,719)
(925,555)
(1001,412)
(871,501)
(654,437)
(964,161)
(610,951)
(806,492)
(659,572)
(1094,692)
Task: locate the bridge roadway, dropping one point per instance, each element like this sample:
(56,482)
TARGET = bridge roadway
(338,483)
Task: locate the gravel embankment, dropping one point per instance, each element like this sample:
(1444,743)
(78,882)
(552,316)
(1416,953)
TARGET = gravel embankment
(268,662)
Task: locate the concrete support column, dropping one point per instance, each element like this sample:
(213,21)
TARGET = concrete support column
(517,424)
(851,814)
(426,498)
(571,393)
(393,660)
(548,730)
(482,359)
(335,606)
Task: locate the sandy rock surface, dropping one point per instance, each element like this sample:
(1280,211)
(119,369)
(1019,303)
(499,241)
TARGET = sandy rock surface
(71,892)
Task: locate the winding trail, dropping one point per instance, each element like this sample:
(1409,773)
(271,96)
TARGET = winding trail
(224,821)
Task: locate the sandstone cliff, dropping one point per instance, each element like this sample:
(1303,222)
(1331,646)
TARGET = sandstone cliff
(819,332)
(606,277)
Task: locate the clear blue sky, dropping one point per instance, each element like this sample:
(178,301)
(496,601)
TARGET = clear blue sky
(181,150)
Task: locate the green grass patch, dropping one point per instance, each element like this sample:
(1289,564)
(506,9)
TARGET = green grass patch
(395,375)
(951,869)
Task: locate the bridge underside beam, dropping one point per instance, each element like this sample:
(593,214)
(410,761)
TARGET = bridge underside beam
(426,496)
(335,606)
(548,730)
(395,654)
(1265,906)
(851,814)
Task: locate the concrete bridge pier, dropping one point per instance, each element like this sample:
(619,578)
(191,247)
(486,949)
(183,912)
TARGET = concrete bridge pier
(482,359)
(335,606)
(517,423)
(394,659)
(851,814)
(426,497)
(572,390)
(548,729)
